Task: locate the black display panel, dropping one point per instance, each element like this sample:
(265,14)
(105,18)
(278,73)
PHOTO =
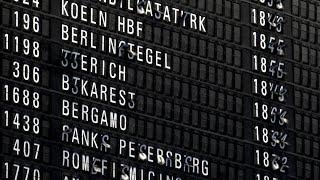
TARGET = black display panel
(160,89)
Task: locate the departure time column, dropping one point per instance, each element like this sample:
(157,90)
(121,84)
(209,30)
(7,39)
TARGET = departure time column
(271,114)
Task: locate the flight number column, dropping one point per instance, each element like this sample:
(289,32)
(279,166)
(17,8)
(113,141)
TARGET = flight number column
(22,100)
